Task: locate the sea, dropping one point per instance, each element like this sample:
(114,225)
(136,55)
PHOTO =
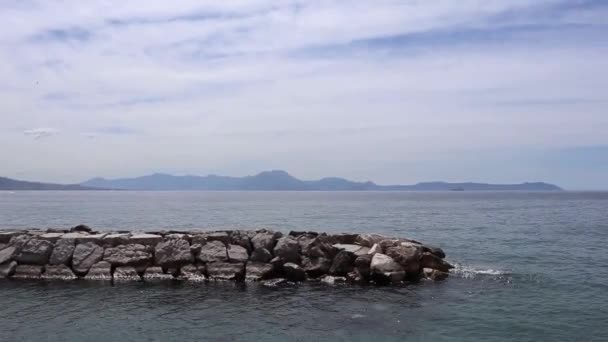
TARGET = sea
(530,266)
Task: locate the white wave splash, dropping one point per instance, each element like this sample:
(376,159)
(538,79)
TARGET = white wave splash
(468,271)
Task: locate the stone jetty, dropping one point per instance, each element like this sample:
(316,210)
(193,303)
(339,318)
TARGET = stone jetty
(230,255)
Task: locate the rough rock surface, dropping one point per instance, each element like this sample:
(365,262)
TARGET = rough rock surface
(100,271)
(86,255)
(5,237)
(81,228)
(368,240)
(363,265)
(62,253)
(156,273)
(173,252)
(343,263)
(406,256)
(384,268)
(293,272)
(115,239)
(131,254)
(191,273)
(241,238)
(226,271)
(315,267)
(257,271)
(212,251)
(288,249)
(35,252)
(18,241)
(429,260)
(145,239)
(52,237)
(7,254)
(434,275)
(237,253)
(60,272)
(264,239)
(125,273)
(7,269)
(28,271)
(354,249)
(261,255)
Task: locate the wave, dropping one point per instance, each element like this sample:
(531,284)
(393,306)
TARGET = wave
(468,271)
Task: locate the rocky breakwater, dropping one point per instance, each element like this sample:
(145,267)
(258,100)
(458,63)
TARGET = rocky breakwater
(234,255)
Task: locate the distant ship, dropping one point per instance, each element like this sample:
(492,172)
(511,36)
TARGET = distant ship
(457,189)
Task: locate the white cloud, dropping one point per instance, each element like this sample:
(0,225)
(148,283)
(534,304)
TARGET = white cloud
(39,133)
(337,83)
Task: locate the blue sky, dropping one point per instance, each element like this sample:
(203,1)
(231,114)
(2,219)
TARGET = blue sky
(392,91)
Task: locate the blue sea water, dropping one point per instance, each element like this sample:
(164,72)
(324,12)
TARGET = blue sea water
(530,267)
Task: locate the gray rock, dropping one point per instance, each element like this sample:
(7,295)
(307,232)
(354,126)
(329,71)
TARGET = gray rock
(436,251)
(7,254)
(293,272)
(5,237)
(315,267)
(226,271)
(319,247)
(434,275)
(382,263)
(331,280)
(218,236)
(28,271)
(261,255)
(18,241)
(241,238)
(368,240)
(52,237)
(264,240)
(354,249)
(100,271)
(145,239)
(81,228)
(237,253)
(115,239)
(407,257)
(343,263)
(86,255)
(3,245)
(59,272)
(199,239)
(173,253)
(288,249)
(363,265)
(213,251)
(7,269)
(276,282)
(344,238)
(156,273)
(35,252)
(94,238)
(375,249)
(74,236)
(191,273)
(128,255)
(256,271)
(125,273)
(432,261)
(62,253)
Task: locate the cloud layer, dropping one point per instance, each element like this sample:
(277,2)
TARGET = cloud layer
(383,90)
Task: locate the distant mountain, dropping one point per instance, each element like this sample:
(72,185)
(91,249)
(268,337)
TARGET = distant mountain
(12,184)
(281,180)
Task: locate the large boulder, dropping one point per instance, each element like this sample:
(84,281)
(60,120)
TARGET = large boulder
(52,237)
(385,269)
(406,256)
(125,273)
(432,261)
(18,241)
(222,237)
(28,271)
(7,269)
(237,253)
(293,272)
(434,275)
(81,228)
(241,238)
(345,238)
(156,273)
(375,249)
(35,252)
(86,255)
(100,271)
(264,239)
(94,238)
(62,253)
(315,267)
(5,237)
(172,253)
(60,272)
(128,255)
(191,273)
(363,265)
(351,248)
(288,249)
(318,247)
(343,263)
(226,271)
(7,254)
(258,271)
(115,239)
(261,255)
(212,251)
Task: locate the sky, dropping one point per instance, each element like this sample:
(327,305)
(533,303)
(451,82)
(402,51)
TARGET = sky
(384,90)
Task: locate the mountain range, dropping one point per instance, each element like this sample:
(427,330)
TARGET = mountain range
(278,180)
(12,184)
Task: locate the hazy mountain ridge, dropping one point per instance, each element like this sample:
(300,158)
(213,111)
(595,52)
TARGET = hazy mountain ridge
(13,184)
(280,180)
